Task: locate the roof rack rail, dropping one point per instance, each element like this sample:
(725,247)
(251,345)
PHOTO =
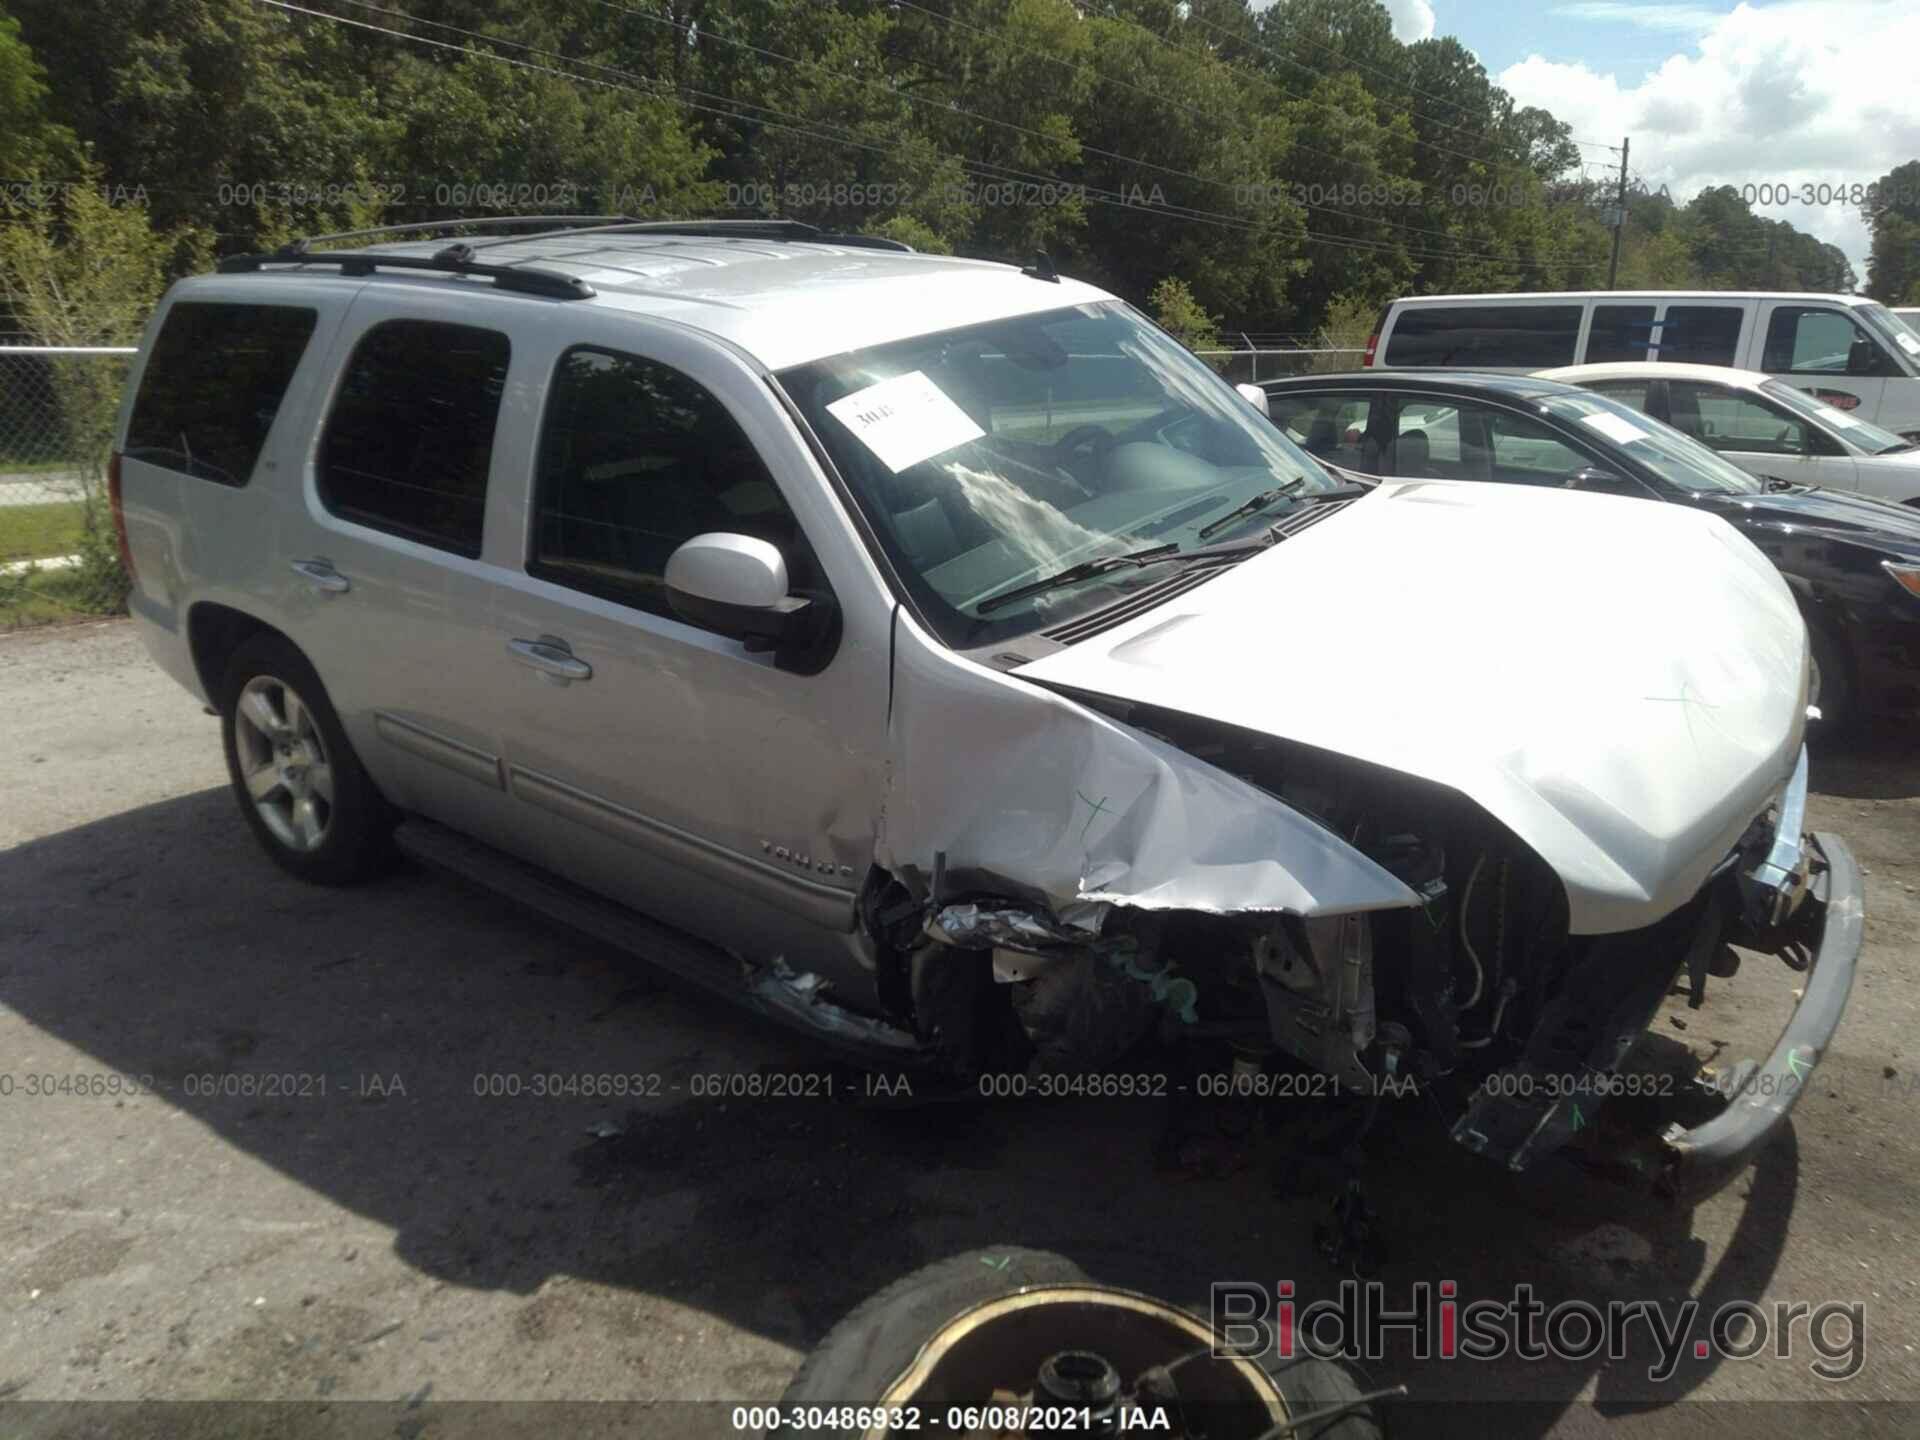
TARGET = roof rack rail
(455,259)
(496,222)
(725,230)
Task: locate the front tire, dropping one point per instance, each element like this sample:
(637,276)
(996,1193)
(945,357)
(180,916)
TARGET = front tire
(299,784)
(1832,687)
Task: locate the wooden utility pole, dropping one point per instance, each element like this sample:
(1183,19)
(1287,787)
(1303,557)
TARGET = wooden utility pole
(1619,214)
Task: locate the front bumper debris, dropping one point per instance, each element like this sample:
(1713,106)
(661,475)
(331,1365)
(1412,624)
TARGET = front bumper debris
(1829,921)
(1783,892)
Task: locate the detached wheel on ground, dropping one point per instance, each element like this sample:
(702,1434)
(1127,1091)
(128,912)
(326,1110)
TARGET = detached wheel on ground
(299,784)
(1005,1328)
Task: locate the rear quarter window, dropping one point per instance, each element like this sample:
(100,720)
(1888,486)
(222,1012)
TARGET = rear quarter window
(1530,337)
(213,384)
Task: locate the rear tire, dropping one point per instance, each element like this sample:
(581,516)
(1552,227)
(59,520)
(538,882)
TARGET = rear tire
(299,784)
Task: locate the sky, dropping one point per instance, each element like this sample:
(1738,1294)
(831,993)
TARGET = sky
(1790,93)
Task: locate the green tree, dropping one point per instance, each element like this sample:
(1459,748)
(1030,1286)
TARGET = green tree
(1183,317)
(32,145)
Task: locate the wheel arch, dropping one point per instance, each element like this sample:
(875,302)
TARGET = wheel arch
(215,633)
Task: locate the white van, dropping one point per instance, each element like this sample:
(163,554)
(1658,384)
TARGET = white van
(1845,349)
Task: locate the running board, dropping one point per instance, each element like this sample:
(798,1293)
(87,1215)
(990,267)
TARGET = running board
(795,1001)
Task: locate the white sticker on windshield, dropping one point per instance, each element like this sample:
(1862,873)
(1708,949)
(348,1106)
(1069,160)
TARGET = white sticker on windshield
(1616,428)
(1908,344)
(905,420)
(1842,418)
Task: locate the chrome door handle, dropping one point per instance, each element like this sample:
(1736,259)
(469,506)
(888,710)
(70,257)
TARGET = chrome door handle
(322,576)
(552,657)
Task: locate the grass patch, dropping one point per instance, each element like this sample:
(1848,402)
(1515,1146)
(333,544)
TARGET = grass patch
(34,532)
(44,598)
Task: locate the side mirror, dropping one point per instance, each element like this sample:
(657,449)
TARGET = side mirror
(1255,397)
(735,585)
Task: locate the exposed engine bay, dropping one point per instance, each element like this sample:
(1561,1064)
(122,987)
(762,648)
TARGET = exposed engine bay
(1478,994)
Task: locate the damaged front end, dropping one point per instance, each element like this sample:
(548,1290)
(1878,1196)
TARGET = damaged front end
(1129,871)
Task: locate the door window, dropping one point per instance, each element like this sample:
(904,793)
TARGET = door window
(1328,427)
(1525,452)
(212,386)
(636,459)
(410,440)
(1619,332)
(1524,337)
(1627,392)
(1728,420)
(1814,340)
(1700,334)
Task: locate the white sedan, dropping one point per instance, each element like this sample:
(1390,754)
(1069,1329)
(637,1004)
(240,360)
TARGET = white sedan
(1763,425)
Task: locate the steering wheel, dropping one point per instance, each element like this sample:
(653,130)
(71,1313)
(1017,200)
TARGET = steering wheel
(1099,436)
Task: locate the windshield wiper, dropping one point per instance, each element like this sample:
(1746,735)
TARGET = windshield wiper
(1085,570)
(1251,507)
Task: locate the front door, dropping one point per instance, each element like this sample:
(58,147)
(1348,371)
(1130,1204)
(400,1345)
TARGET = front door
(1826,352)
(653,760)
(1759,436)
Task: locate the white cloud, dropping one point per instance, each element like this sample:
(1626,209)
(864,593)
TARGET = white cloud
(1647,17)
(1412,19)
(1807,93)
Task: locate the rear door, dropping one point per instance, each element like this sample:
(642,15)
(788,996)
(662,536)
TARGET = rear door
(1701,332)
(1619,331)
(381,546)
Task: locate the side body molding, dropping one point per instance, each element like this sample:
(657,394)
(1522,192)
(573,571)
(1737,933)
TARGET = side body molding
(1025,792)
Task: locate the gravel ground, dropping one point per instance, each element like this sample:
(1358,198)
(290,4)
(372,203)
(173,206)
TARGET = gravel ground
(344,1219)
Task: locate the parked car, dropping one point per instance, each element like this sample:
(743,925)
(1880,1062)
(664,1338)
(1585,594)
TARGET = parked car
(1767,428)
(1852,561)
(1845,349)
(937,657)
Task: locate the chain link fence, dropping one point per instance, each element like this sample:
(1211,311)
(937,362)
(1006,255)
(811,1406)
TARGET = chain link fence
(1249,367)
(56,420)
(58,556)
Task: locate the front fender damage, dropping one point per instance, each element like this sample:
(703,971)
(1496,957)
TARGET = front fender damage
(1027,794)
(1066,846)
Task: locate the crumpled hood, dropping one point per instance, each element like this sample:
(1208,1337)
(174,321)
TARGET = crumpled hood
(1621,684)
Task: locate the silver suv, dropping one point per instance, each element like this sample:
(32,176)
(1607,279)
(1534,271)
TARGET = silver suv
(936,656)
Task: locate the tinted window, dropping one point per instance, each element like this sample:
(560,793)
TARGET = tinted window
(213,384)
(1807,340)
(1700,335)
(1528,337)
(1619,332)
(635,459)
(1729,420)
(408,444)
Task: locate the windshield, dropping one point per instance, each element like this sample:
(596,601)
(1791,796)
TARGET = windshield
(1906,342)
(1855,433)
(1678,459)
(994,456)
